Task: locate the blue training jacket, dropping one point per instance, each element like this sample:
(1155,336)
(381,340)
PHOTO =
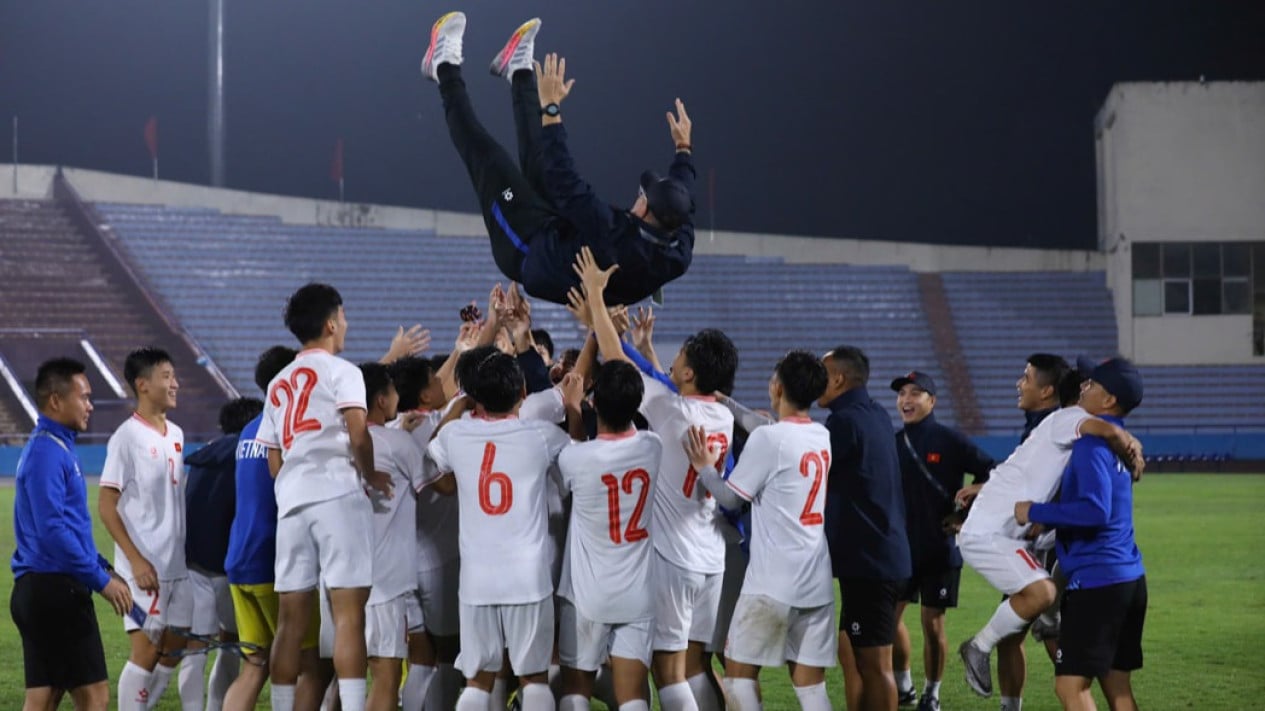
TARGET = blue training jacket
(252,539)
(50,513)
(1094,517)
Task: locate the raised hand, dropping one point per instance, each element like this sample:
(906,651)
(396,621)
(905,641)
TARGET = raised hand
(681,126)
(592,277)
(551,80)
(579,307)
(619,317)
(572,387)
(467,336)
(643,328)
(414,341)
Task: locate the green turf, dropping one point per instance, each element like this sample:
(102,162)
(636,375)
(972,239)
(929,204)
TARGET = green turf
(1205,624)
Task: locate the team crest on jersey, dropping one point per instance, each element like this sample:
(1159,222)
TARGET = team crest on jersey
(933,457)
(178,447)
(153,453)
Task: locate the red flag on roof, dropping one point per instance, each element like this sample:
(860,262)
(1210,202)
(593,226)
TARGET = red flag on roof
(151,137)
(336,168)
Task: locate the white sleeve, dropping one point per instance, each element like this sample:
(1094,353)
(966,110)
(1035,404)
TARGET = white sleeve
(267,434)
(116,473)
(349,387)
(656,400)
(758,462)
(545,405)
(437,452)
(555,440)
(566,465)
(413,461)
(1065,426)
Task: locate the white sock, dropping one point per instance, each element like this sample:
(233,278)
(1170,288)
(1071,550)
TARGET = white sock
(283,697)
(573,702)
(499,694)
(191,682)
(704,695)
(932,689)
(813,698)
(536,697)
(415,686)
(677,697)
(904,681)
(351,692)
(744,694)
(158,681)
(1003,623)
(134,688)
(1011,703)
(634,705)
(223,672)
(473,699)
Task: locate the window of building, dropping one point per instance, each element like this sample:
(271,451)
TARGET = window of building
(1197,278)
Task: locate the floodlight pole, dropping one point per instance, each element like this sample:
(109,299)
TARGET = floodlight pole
(215,119)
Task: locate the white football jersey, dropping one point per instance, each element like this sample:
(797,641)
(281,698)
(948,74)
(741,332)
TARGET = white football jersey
(783,471)
(437,518)
(394,519)
(303,418)
(686,531)
(147,467)
(606,570)
(1031,473)
(544,405)
(501,466)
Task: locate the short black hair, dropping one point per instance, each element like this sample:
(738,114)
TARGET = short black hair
(466,365)
(309,308)
(542,338)
(272,361)
(1070,388)
(377,380)
(1051,369)
(140,362)
(713,358)
(617,393)
(853,362)
(55,376)
(492,379)
(412,375)
(238,412)
(803,378)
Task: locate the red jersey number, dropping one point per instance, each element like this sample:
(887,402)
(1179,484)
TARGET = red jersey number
(633,532)
(819,464)
(297,390)
(489,479)
(691,477)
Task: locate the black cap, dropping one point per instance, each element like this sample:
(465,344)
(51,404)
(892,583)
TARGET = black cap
(1118,376)
(922,380)
(667,199)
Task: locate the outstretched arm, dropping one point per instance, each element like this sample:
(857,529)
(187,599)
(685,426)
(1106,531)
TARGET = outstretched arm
(593,278)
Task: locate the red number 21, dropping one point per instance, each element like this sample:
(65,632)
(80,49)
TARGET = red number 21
(634,532)
(691,476)
(302,380)
(820,464)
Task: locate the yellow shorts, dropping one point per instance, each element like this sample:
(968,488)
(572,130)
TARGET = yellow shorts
(255,607)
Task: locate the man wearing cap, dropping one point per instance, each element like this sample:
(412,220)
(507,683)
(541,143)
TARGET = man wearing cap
(934,460)
(539,211)
(1104,606)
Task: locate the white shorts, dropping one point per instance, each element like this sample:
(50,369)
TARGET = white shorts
(330,542)
(585,645)
(730,588)
(685,605)
(488,630)
(171,606)
(440,605)
(1006,563)
(414,620)
(385,633)
(212,604)
(769,633)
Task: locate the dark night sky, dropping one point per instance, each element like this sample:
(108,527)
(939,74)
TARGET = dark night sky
(924,121)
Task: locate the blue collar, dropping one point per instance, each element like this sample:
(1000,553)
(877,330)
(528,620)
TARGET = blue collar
(855,396)
(1113,419)
(925,423)
(56,429)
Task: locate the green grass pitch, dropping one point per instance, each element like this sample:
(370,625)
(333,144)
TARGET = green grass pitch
(1205,631)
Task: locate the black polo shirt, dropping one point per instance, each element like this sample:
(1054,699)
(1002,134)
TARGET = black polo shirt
(948,456)
(865,509)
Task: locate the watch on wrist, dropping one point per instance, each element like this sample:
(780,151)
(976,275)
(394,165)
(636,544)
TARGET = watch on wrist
(551,109)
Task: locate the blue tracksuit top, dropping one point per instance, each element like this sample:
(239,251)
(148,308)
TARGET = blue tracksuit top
(1094,517)
(50,512)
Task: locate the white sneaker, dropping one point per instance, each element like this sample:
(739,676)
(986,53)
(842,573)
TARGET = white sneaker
(445,44)
(518,51)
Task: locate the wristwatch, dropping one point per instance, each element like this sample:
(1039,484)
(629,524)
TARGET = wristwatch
(551,109)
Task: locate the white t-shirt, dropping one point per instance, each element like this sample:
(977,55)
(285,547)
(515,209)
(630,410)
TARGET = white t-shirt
(783,471)
(1031,473)
(394,519)
(606,570)
(436,513)
(544,405)
(303,418)
(686,531)
(501,467)
(147,467)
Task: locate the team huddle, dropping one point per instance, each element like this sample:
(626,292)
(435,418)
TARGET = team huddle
(576,527)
